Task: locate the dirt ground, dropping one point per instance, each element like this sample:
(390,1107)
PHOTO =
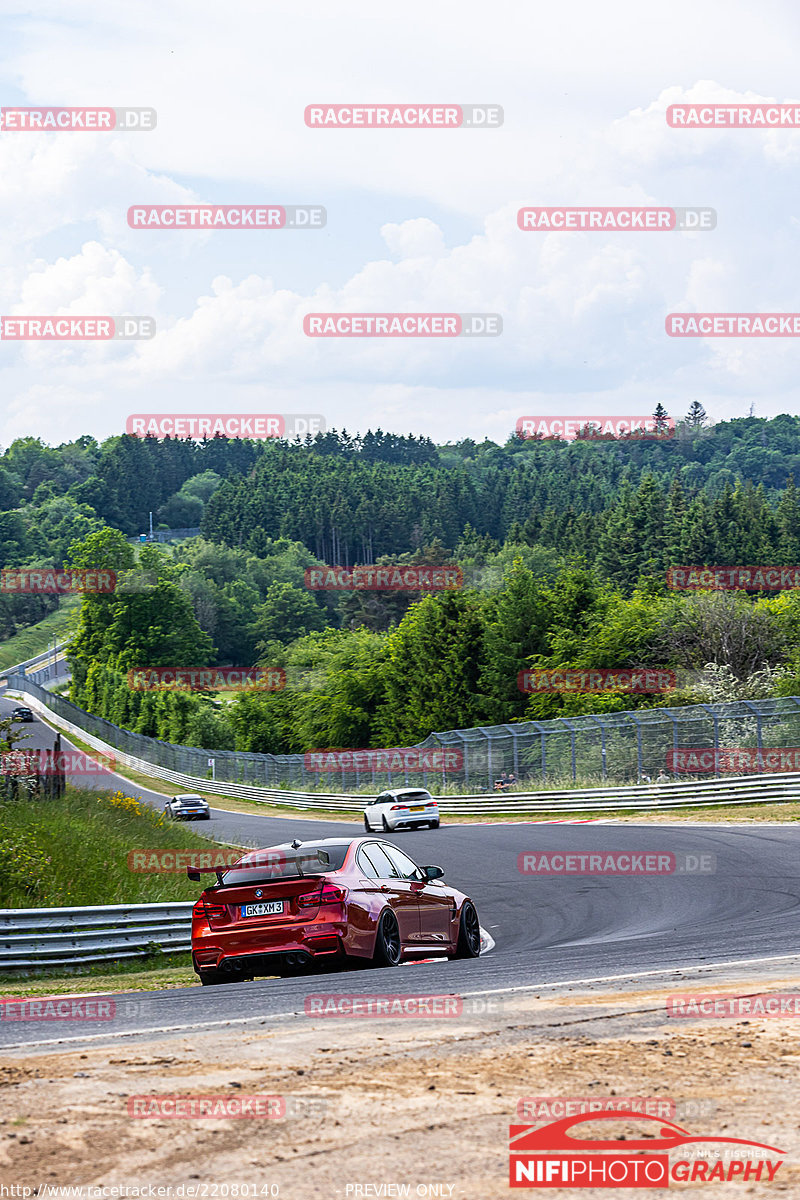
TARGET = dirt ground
(373,1103)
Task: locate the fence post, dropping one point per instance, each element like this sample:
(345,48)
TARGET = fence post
(639,763)
(61,775)
(514,748)
(544,748)
(674,735)
(604,770)
(481,729)
(464,752)
(759,743)
(571,728)
(715,719)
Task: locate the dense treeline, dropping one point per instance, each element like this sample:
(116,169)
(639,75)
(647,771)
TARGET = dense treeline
(355,498)
(449,660)
(625,506)
(126,478)
(563,546)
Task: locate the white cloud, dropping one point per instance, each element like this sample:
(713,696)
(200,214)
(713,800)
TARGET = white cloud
(584,89)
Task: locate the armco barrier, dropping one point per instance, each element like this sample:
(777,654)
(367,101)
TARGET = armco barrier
(625,745)
(754,789)
(57,937)
(54,653)
(612,747)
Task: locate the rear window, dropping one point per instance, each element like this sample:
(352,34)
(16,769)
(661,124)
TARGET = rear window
(282,862)
(414,797)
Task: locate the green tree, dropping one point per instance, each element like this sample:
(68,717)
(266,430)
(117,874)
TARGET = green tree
(433,669)
(287,613)
(516,628)
(104,548)
(661,419)
(696,416)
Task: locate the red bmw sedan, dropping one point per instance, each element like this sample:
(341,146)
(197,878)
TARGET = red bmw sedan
(278,911)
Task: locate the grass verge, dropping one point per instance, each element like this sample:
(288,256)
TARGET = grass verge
(74,850)
(36,638)
(148,975)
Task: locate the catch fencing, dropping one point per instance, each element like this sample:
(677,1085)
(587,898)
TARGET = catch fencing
(51,655)
(173,535)
(58,937)
(609,747)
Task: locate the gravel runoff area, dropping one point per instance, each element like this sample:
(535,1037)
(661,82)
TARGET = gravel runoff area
(370,1106)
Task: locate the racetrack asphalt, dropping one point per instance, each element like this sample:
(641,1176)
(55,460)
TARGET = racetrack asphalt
(736,900)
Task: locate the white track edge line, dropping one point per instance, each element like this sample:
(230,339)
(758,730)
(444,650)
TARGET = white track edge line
(263,1018)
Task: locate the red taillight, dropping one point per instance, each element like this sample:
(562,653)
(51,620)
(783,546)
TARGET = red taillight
(208,909)
(328,894)
(395,807)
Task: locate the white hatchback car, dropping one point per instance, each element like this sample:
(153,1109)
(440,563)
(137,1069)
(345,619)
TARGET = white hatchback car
(401,808)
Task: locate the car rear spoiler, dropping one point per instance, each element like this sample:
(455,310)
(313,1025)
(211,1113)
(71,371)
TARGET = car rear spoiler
(316,858)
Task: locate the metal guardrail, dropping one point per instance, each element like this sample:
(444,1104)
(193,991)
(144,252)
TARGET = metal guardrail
(609,747)
(780,788)
(44,658)
(56,937)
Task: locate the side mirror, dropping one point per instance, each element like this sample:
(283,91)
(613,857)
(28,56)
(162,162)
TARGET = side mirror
(193,874)
(433,872)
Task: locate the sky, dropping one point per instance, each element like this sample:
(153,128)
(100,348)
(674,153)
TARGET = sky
(418,220)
